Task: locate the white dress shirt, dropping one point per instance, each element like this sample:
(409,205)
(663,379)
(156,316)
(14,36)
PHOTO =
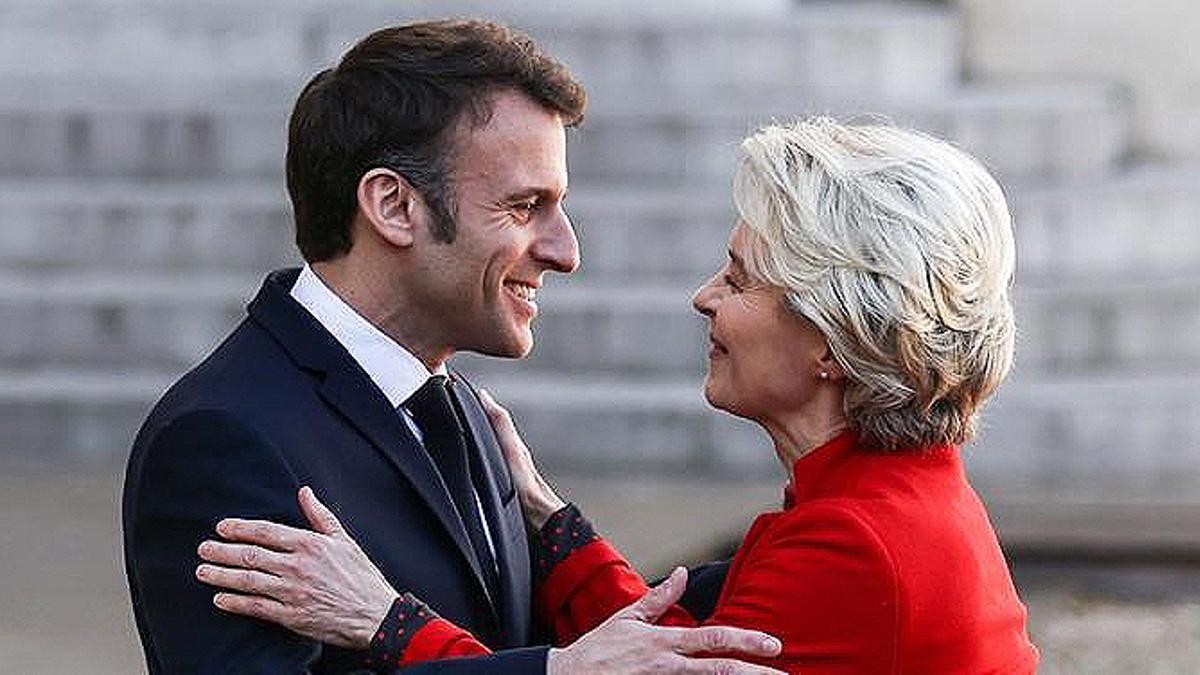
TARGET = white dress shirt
(394,369)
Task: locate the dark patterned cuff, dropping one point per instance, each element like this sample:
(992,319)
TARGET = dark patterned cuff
(407,616)
(566,531)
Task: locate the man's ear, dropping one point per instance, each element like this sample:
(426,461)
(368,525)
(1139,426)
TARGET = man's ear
(390,205)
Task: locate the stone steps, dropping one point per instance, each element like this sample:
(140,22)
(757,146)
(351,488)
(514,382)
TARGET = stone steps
(1093,436)
(1111,324)
(839,49)
(1022,133)
(116,321)
(1077,437)
(168,321)
(1139,223)
(83,226)
(237,130)
(239,227)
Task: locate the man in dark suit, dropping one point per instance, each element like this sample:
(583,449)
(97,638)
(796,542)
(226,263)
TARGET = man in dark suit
(427,172)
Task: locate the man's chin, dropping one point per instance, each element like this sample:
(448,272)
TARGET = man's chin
(515,345)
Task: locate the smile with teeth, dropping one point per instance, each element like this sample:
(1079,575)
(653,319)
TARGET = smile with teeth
(523,291)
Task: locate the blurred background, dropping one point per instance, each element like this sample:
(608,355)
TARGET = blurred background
(142,202)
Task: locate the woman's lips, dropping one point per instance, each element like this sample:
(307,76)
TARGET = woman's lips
(715,348)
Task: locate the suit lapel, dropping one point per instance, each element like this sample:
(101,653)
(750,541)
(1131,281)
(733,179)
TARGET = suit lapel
(508,533)
(347,388)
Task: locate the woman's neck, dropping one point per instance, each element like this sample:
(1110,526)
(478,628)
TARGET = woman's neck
(799,434)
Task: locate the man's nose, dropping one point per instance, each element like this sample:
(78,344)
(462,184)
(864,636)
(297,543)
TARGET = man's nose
(556,246)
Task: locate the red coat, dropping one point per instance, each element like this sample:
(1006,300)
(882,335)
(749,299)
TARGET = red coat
(879,563)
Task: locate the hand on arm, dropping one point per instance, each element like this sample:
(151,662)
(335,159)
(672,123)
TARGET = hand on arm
(318,583)
(321,584)
(539,501)
(628,642)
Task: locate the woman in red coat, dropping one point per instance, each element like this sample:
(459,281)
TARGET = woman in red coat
(862,320)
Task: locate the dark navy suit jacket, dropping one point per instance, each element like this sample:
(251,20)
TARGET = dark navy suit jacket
(278,405)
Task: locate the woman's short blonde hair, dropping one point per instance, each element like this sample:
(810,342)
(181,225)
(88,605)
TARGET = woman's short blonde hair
(898,247)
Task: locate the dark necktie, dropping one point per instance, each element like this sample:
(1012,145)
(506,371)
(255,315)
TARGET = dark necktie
(434,409)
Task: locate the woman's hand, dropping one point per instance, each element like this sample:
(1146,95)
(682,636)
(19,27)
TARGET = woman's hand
(319,584)
(538,499)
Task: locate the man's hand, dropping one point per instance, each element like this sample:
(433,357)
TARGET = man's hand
(628,644)
(319,584)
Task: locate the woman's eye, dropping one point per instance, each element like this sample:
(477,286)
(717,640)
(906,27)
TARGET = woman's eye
(731,283)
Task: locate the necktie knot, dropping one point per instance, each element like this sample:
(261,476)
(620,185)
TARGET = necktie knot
(432,406)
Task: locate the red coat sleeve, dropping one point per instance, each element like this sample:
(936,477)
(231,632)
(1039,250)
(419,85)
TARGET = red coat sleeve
(589,586)
(441,639)
(819,579)
(412,632)
(583,590)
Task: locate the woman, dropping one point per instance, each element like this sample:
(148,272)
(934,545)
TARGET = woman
(862,320)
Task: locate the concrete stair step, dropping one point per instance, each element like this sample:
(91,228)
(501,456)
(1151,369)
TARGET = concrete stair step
(1149,323)
(1021,133)
(241,227)
(1144,219)
(117,321)
(1092,436)
(838,48)
(165,321)
(84,226)
(75,415)
(665,137)
(1071,437)
(1127,224)
(168,141)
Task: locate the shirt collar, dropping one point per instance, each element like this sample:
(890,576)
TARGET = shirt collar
(394,369)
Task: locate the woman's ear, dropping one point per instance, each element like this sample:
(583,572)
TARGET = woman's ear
(389,205)
(828,368)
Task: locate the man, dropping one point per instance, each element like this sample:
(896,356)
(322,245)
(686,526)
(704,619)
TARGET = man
(427,173)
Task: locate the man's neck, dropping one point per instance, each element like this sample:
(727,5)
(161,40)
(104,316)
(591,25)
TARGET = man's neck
(368,295)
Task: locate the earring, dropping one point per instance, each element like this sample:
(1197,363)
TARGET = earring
(824,375)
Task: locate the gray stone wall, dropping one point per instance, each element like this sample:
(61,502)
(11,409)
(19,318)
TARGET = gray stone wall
(1145,47)
(141,201)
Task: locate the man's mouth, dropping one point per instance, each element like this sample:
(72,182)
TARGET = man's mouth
(525,295)
(526,292)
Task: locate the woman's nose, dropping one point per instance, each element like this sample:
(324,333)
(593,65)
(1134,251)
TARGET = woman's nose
(702,299)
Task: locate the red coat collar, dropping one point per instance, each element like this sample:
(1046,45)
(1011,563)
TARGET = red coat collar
(809,471)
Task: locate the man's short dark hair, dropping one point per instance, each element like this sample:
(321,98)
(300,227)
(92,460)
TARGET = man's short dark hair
(394,101)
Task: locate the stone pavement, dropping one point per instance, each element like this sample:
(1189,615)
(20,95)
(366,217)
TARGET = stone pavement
(66,608)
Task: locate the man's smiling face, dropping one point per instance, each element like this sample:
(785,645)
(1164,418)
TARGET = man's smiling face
(509,178)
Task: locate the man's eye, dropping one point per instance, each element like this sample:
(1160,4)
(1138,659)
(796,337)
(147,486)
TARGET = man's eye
(525,210)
